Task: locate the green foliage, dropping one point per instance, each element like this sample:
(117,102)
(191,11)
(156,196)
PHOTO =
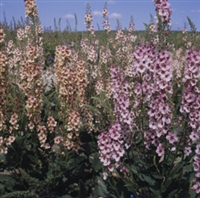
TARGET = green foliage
(22,194)
(53,174)
(192,25)
(7,183)
(193,35)
(31,171)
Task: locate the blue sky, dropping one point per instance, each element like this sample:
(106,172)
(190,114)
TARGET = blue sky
(118,9)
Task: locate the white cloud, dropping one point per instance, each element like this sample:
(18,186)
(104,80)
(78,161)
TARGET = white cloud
(97,13)
(68,16)
(195,10)
(115,15)
(111,1)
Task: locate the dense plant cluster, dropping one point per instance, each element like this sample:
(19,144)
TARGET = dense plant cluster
(110,114)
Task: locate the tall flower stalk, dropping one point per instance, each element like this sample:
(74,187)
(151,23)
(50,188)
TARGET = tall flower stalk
(163,21)
(113,143)
(3,91)
(190,107)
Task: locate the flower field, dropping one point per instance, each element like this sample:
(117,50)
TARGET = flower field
(106,114)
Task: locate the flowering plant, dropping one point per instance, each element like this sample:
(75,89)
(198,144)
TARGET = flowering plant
(111,117)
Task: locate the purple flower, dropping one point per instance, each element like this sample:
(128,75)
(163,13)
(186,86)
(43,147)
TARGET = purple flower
(160,150)
(196,187)
(105,175)
(187,151)
(197,151)
(172,138)
(163,10)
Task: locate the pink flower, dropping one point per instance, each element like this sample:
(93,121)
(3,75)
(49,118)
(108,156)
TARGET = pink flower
(193,124)
(187,151)
(138,89)
(88,18)
(196,187)
(141,68)
(172,138)
(163,10)
(124,170)
(160,150)
(162,84)
(110,168)
(166,118)
(160,124)
(159,132)
(1,140)
(114,134)
(152,125)
(116,156)
(197,151)
(104,12)
(105,160)
(105,175)
(103,138)
(110,145)
(189,97)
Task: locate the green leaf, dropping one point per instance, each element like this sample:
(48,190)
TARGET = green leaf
(192,26)
(176,170)
(31,181)
(94,160)
(4,177)
(155,192)
(131,186)
(122,195)
(2,158)
(16,194)
(193,194)
(134,169)
(156,175)
(172,194)
(92,109)
(66,196)
(80,158)
(146,26)
(8,181)
(101,188)
(165,186)
(148,179)
(64,179)
(139,138)
(188,168)
(177,160)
